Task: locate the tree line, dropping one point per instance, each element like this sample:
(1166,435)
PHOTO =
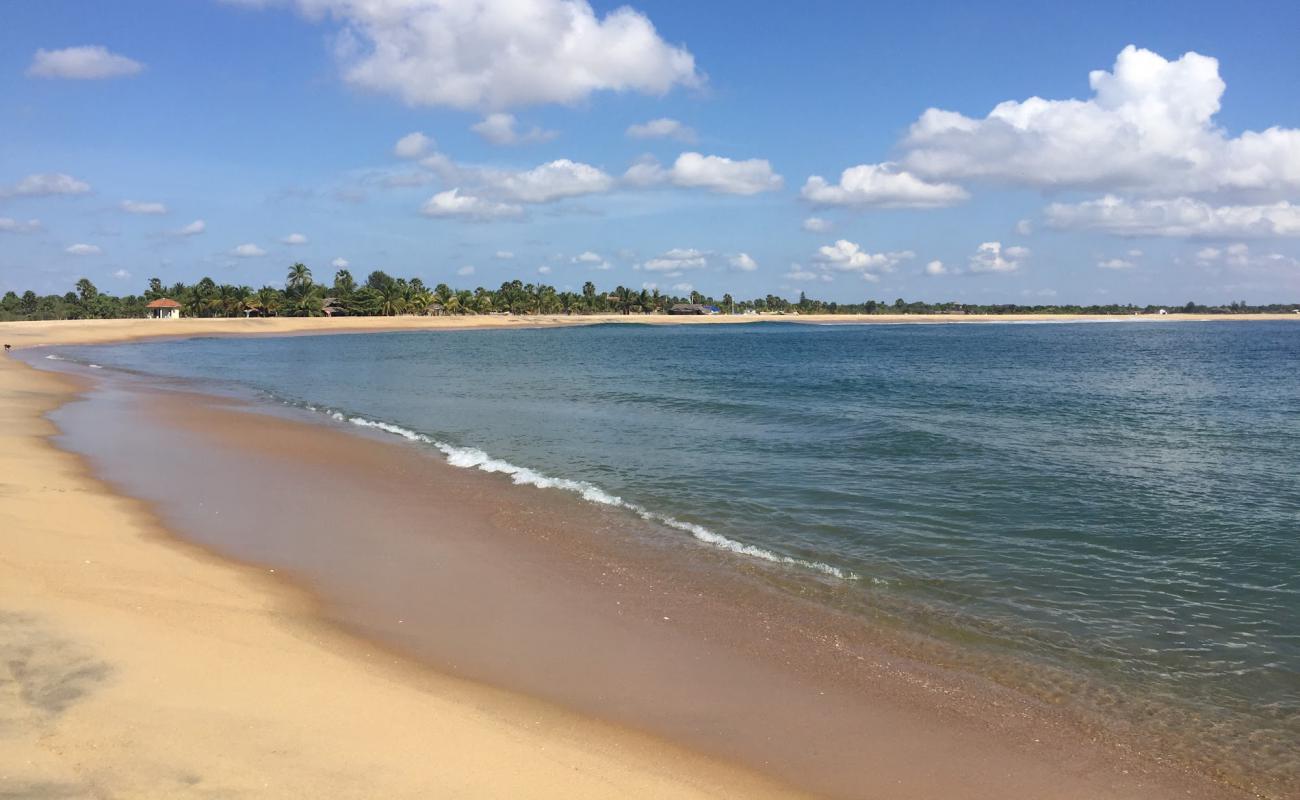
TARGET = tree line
(384,295)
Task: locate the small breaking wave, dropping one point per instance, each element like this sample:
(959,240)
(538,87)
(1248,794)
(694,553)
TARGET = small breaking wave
(473,458)
(56,357)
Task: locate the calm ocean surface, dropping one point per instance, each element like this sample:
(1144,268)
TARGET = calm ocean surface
(1116,501)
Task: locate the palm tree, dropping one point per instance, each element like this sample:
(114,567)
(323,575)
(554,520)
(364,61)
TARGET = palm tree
(392,299)
(299,277)
(344,284)
(268,301)
(419,302)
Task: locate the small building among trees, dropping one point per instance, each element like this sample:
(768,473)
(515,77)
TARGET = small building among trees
(163,308)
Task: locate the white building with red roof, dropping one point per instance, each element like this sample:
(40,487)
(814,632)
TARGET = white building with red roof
(163,308)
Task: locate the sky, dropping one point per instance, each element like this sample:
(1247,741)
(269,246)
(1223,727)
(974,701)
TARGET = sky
(976,152)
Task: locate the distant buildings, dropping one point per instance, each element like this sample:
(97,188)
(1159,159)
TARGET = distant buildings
(163,308)
(697,309)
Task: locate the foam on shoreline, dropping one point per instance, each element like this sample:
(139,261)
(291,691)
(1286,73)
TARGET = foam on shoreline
(473,458)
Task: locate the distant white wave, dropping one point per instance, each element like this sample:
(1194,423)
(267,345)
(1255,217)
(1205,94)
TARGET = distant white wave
(473,458)
(54,357)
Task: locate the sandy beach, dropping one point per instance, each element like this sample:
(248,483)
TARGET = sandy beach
(141,663)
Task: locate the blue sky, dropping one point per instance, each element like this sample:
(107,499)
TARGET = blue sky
(182,139)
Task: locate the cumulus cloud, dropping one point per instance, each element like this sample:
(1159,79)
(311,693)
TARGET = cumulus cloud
(676,261)
(743,262)
(83,250)
(91,62)
(499,129)
(248,250)
(936,268)
(883,186)
(1148,128)
(45,184)
(551,181)
(543,270)
(340,263)
(1116,263)
(1239,257)
(412,145)
(121,274)
(817,225)
(466,270)
(715,173)
(592,259)
(452,203)
(1182,217)
(193,229)
(11,225)
(478,55)
(993,257)
(503,255)
(662,128)
(294,238)
(133,207)
(846,256)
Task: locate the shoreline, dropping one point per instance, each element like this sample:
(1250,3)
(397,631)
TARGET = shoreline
(52,332)
(140,664)
(1075,781)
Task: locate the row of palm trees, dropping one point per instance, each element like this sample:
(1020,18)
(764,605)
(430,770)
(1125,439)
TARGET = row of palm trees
(383,295)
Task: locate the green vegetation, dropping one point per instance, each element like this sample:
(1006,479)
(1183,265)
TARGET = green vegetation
(384,295)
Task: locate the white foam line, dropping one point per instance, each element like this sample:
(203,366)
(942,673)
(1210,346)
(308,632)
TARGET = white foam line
(473,458)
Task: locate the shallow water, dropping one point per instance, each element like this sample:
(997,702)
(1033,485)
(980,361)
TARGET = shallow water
(1115,503)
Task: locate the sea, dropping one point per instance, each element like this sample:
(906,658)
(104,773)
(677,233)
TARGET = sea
(1114,508)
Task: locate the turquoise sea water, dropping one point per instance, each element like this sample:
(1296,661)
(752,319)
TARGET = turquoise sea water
(1116,500)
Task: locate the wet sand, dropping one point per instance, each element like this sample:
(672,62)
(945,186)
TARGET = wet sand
(543,596)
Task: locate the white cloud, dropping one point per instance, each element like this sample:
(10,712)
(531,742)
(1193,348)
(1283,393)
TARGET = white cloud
(993,257)
(594,260)
(91,62)
(1135,254)
(83,250)
(1183,216)
(11,225)
(676,261)
(491,56)
(881,185)
(846,256)
(1239,257)
(340,263)
(743,262)
(1025,227)
(45,184)
(1116,263)
(499,129)
(468,269)
(452,203)
(412,145)
(133,207)
(121,274)
(503,255)
(719,174)
(543,270)
(248,250)
(936,267)
(294,238)
(683,287)
(551,181)
(193,229)
(662,128)
(1147,128)
(817,225)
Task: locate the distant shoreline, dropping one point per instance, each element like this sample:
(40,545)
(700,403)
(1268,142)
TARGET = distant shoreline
(53,332)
